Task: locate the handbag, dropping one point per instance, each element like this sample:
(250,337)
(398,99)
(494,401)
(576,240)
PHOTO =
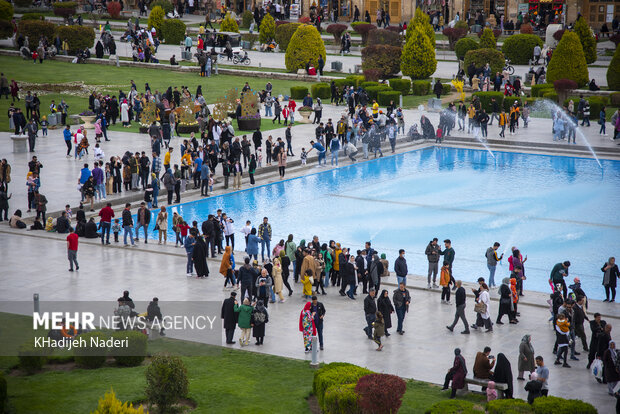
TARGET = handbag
(480,307)
(311,280)
(156,227)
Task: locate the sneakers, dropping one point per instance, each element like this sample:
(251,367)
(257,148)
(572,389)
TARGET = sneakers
(451,329)
(429,286)
(435,286)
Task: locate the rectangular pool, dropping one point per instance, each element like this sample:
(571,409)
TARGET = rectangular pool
(553,208)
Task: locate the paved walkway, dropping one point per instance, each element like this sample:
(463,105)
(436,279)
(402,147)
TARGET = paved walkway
(424,352)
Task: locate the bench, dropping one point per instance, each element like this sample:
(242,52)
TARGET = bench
(500,387)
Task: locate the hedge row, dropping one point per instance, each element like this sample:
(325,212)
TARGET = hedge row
(373,91)
(320,90)
(384,97)
(78,37)
(336,373)
(420,87)
(402,85)
(538,89)
(299,92)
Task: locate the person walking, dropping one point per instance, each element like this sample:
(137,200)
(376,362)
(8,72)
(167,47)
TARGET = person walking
(161,224)
(318,313)
(611,373)
(460,299)
(384,305)
(260,317)
(31,130)
(400,268)
(370,310)
(229,317)
(483,314)
(226,268)
(492,259)
(307,326)
(282,162)
(401,299)
(72,249)
(610,278)
(432,254)
(505,303)
(526,356)
(264,233)
(247,276)
(127,224)
(244,321)
(105,223)
(456,374)
(379,330)
(189,244)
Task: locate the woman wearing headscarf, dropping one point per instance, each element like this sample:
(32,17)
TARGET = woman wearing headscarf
(327,258)
(306,326)
(226,267)
(610,276)
(457,373)
(503,374)
(610,367)
(299,258)
(276,274)
(505,301)
(526,356)
(199,256)
(289,249)
(259,318)
(253,241)
(384,305)
(517,260)
(483,318)
(286,263)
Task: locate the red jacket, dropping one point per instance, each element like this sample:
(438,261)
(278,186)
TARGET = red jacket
(106,214)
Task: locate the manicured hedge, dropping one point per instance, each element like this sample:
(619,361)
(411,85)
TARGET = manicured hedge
(134,354)
(321,90)
(335,373)
(284,32)
(267,29)
(89,356)
(32,16)
(344,82)
(463,46)
(31,359)
(556,405)
(173,31)
(367,84)
(166,382)
(380,393)
(481,57)
(539,89)
(485,99)
(78,37)
(384,37)
(373,91)
(299,92)
(6,29)
(114,9)
(384,97)
(596,104)
(34,29)
(229,24)
(247,19)
(341,399)
(511,406)
(357,79)
(166,5)
(614,98)
(420,87)
(64,8)
(6,10)
(568,61)
(553,96)
(519,48)
(336,30)
(22,3)
(453,407)
(447,88)
(402,85)
(383,58)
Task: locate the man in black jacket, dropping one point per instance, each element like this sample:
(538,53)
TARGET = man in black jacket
(230,317)
(401,299)
(460,308)
(208,229)
(153,312)
(127,224)
(596,326)
(432,254)
(579,317)
(318,312)
(370,309)
(247,275)
(257,138)
(400,267)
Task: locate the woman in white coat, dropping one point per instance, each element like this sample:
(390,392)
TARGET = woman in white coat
(483,318)
(125,114)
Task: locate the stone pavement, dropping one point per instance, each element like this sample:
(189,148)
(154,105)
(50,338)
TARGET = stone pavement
(425,352)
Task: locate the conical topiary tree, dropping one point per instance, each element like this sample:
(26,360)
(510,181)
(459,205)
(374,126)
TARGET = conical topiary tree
(613,72)
(421,19)
(156,18)
(586,37)
(305,45)
(267,31)
(229,24)
(418,58)
(487,40)
(568,61)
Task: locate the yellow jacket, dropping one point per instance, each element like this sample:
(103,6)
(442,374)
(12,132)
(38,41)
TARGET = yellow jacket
(471,111)
(503,119)
(167,158)
(444,279)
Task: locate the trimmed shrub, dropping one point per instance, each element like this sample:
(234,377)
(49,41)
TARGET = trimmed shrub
(615,38)
(447,88)
(487,39)
(6,29)
(373,91)
(34,29)
(485,99)
(22,4)
(384,97)
(418,57)
(90,356)
(229,24)
(368,84)
(402,85)
(299,92)
(454,35)
(166,381)
(423,21)
(384,37)
(519,48)
(267,31)
(246,19)
(481,57)
(384,58)
(552,96)
(166,5)
(3,393)
(462,24)
(320,90)
(173,31)
(453,407)
(31,359)
(357,79)
(563,87)
(6,10)
(509,406)
(134,354)
(355,24)
(613,72)
(335,373)
(32,16)
(340,83)
(420,87)
(304,20)
(380,393)
(539,89)
(364,29)
(64,8)
(156,18)
(465,45)
(372,75)
(614,98)
(305,45)
(336,30)
(109,404)
(114,9)
(568,61)
(586,37)
(341,399)
(78,37)
(284,33)
(556,405)
(526,28)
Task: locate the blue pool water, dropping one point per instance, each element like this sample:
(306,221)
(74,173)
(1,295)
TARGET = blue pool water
(553,208)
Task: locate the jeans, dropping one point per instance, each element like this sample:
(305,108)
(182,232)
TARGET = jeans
(100,188)
(400,315)
(264,243)
(493,116)
(322,157)
(402,279)
(145,227)
(268,111)
(432,269)
(190,264)
(460,314)
(334,157)
(246,289)
(370,318)
(365,149)
(491,275)
(105,230)
(135,181)
(128,230)
(72,256)
(351,291)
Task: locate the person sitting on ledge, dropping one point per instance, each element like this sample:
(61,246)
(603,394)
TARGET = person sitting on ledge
(173,61)
(593,86)
(16,220)
(90,230)
(62,223)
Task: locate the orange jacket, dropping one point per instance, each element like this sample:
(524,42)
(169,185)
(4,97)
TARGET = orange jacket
(444,279)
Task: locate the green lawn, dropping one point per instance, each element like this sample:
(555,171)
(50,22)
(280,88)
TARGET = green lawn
(221,380)
(265,125)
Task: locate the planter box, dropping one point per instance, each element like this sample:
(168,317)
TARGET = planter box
(186,129)
(305,116)
(248,124)
(88,121)
(143,130)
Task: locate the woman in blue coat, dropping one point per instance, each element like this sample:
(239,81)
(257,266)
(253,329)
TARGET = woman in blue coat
(253,240)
